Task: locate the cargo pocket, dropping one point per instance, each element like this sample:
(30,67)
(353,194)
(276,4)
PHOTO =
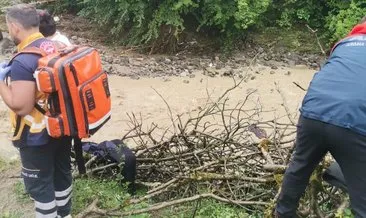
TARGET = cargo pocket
(45,80)
(96,102)
(55,126)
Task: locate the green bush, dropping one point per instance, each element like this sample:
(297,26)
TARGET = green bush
(161,22)
(289,12)
(340,24)
(333,18)
(144,21)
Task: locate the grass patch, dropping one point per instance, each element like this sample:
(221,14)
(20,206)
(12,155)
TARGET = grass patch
(111,194)
(85,191)
(3,165)
(21,194)
(11,214)
(22,197)
(346,213)
(208,208)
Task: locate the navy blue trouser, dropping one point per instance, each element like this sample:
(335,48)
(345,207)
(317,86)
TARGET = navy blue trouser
(46,171)
(314,139)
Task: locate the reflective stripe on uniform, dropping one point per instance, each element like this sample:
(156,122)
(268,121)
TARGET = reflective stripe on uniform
(60,194)
(45,206)
(63,197)
(61,203)
(35,126)
(68,216)
(50,215)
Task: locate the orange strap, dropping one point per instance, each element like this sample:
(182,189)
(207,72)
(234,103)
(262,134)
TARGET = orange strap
(33,50)
(30,50)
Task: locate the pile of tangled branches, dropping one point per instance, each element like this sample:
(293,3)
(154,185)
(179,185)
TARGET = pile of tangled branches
(227,153)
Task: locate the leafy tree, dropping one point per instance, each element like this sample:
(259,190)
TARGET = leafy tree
(340,24)
(150,21)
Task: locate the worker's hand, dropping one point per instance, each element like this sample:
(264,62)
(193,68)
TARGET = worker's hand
(4,70)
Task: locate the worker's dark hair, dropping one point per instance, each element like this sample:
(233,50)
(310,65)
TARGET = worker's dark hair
(24,14)
(363,20)
(47,24)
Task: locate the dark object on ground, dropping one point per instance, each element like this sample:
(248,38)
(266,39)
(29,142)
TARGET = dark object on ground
(116,152)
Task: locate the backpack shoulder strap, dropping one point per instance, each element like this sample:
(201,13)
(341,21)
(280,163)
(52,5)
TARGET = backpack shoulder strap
(78,148)
(34,50)
(37,51)
(30,50)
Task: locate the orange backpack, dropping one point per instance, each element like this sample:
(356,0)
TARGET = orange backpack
(79,101)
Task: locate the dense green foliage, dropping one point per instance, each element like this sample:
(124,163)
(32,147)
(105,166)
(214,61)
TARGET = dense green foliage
(148,21)
(333,17)
(339,23)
